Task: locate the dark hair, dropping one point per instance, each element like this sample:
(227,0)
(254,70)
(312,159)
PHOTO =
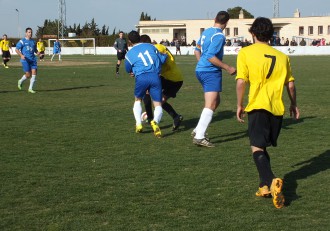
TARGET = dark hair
(121,32)
(262,28)
(145,38)
(29,28)
(134,36)
(222,17)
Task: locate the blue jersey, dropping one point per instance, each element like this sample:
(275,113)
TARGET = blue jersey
(144,58)
(28,48)
(57,47)
(210,44)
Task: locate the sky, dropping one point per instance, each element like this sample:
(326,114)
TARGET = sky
(125,14)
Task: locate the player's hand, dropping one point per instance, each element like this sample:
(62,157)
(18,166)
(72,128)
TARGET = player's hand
(231,70)
(132,74)
(294,112)
(240,114)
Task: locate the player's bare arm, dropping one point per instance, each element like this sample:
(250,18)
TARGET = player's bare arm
(240,90)
(294,110)
(217,62)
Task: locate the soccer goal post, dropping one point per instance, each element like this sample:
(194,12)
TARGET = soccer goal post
(74,46)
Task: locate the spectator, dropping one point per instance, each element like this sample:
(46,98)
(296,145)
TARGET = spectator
(228,42)
(314,42)
(193,43)
(322,43)
(293,43)
(302,42)
(286,43)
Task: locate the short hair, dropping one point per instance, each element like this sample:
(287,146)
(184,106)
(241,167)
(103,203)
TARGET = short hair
(262,28)
(120,32)
(4,35)
(29,28)
(134,36)
(145,38)
(222,17)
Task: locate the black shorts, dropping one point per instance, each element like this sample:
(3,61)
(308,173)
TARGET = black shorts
(170,88)
(121,55)
(6,54)
(264,128)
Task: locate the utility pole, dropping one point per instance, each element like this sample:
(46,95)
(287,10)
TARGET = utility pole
(61,18)
(276,8)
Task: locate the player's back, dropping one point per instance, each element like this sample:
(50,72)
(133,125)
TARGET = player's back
(144,58)
(267,70)
(169,69)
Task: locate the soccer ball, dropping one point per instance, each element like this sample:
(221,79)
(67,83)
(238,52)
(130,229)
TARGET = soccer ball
(144,117)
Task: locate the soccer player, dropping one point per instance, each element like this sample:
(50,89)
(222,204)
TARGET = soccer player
(57,50)
(144,62)
(172,80)
(121,46)
(267,71)
(41,49)
(209,53)
(26,49)
(5,47)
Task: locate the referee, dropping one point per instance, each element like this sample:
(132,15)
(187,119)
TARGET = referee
(121,47)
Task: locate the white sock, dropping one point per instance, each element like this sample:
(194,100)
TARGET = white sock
(22,79)
(32,81)
(59,57)
(137,111)
(52,57)
(158,113)
(203,123)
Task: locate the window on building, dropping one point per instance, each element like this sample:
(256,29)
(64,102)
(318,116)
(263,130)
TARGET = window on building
(227,31)
(320,30)
(301,30)
(310,30)
(235,31)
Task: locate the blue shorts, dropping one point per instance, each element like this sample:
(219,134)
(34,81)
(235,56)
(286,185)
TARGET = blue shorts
(150,82)
(28,64)
(211,81)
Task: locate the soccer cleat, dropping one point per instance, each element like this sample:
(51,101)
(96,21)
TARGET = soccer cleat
(277,194)
(6,66)
(176,122)
(263,191)
(205,142)
(19,85)
(31,91)
(138,128)
(156,129)
(193,134)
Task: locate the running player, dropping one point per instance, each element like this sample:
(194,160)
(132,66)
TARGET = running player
(5,47)
(267,71)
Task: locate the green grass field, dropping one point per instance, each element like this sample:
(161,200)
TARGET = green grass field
(70,158)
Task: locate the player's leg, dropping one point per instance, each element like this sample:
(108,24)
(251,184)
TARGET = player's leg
(137,111)
(27,70)
(148,106)
(156,96)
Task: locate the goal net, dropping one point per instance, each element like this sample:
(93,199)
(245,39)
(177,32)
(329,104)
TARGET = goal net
(76,46)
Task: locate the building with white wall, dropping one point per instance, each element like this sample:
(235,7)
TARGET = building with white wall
(296,28)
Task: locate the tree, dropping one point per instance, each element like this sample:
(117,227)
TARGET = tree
(234,12)
(145,17)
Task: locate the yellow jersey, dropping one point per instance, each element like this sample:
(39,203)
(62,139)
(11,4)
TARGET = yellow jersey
(266,70)
(40,46)
(4,45)
(170,70)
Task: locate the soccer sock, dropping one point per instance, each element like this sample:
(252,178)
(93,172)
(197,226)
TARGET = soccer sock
(137,111)
(169,109)
(52,57)
(32,81)
(5,61)
(158,113)
(59,57)
(117,67)
(22,79)
(203,123)
(148,106)
(264,169)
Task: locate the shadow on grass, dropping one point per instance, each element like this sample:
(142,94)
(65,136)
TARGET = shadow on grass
(310,167)
(289,121)
(72,88)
